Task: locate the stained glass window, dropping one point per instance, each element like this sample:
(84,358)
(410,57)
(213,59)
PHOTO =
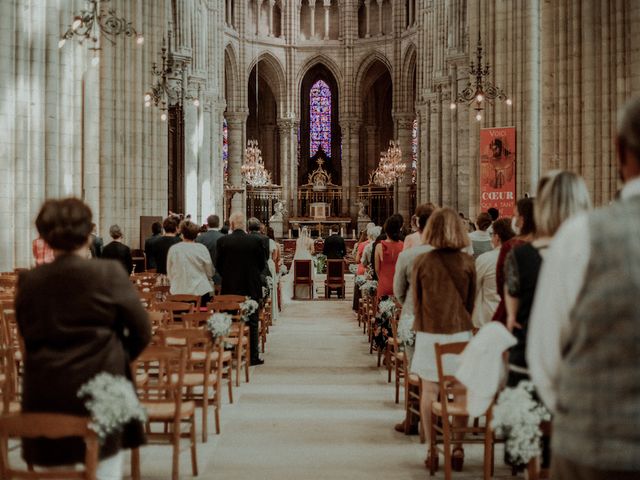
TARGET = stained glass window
(414,151)
(225,149)
(320,108)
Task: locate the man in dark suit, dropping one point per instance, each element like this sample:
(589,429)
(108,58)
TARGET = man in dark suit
(156,234)
(117,250)
(240,260)
(164,243)
(254,226)
(95,243)
(210,239)
(334,246)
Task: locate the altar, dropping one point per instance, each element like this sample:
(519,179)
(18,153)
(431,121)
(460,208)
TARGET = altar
(322,225)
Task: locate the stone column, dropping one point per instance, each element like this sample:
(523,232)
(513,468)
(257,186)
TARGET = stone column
(312,18)
(236,127)
(326,19)
(403,127)
(380,17)
(271,5)
(411,13)
(351,165)
(367,16)
(373,155)
(258,9)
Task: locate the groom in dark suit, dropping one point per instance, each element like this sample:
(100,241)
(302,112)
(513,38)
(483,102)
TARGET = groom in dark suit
(210,240)
(240,261)
(334,246)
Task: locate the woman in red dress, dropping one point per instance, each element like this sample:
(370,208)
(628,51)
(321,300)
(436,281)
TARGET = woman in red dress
(386,255)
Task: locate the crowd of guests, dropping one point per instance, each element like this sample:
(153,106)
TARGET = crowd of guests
(562,279)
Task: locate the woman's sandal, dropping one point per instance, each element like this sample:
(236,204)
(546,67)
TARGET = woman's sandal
(457,459)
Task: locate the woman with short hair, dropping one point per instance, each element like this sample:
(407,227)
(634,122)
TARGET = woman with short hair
(87,319)
(444,287)
(117,250)
(189,266)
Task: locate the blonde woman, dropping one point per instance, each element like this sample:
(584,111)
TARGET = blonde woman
(444,281)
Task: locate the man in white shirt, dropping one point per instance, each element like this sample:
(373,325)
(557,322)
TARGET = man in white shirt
(583,348)
(487,298)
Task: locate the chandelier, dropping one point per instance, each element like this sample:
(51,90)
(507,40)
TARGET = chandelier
(92,22)
(480,90)
(168,86)
(391,167)
(253,170)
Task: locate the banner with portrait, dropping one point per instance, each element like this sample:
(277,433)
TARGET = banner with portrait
(498,170)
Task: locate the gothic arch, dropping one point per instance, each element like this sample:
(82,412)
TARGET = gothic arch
(408,93)
(373,59)
(231,79)
(270,68)
(325,61)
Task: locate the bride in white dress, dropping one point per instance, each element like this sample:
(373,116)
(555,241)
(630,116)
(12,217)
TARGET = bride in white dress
(304,251)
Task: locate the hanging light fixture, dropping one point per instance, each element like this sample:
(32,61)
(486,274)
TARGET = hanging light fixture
(480,90)
(253,170)
(391,167)
(92,23)
(167,88)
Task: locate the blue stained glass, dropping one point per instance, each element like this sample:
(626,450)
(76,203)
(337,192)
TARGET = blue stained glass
(320,127)
(414,151)
(225,149)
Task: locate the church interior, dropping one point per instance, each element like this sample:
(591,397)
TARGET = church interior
(318,116)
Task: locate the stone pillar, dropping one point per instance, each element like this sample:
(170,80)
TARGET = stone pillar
(411,13)
(350,127)
(289,164)
(236,127)
(380,17)
(367,17)
(271,5)
(373,155)
(258,8)
(403,127)
(312,18)
(326,19)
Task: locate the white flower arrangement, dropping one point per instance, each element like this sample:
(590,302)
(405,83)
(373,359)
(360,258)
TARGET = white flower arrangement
(270,282)
(219,325)
(386,309)
(112,403)
(248,308)
(283,269)
(353,268)
(360,279)
(516,417)
(369,288)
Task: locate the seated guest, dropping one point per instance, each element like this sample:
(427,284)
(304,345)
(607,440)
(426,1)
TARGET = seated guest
(413,239)
(386,255)
(334,246)
(480,238)
(225,228)
(156,234)
(487,298)
(189,266)
(163,244)
(373,232)
(87,319)
(444,288)
(210,238)
(116,250)
(42,253)
(494,213)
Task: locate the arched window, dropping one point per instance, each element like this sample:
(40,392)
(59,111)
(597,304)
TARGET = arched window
(414,151)
(225,150)
(320,110)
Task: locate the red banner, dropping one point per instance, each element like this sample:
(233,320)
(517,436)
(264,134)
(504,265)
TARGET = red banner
(498,170)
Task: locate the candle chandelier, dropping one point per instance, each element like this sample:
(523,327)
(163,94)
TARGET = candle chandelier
(391,167)
(253,170)
(480,90)
(91,23)
(168,88)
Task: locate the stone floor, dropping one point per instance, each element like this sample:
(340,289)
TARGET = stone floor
(319,408)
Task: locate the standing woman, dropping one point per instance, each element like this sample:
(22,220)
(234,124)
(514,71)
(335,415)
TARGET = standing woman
(386,255)
(87,319)
(189,266)
(444,288)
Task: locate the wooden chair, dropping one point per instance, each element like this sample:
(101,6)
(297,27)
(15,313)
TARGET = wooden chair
(335,278)
(47,425)
(203,370)
(161,396)
(413,397)
(229,298)
(8,380)
(238,337)
(452,405)
(174,309)
(535,471)
(396,359)
(192,299)
(302,276)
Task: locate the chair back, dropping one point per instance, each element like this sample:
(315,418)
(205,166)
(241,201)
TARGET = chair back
(193,299)
(217,306)
(451,390)
(174,309)
(163,369)
(53,426)
(8,377)
(230,298)
(301,271)
(196,319)
(198,345)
